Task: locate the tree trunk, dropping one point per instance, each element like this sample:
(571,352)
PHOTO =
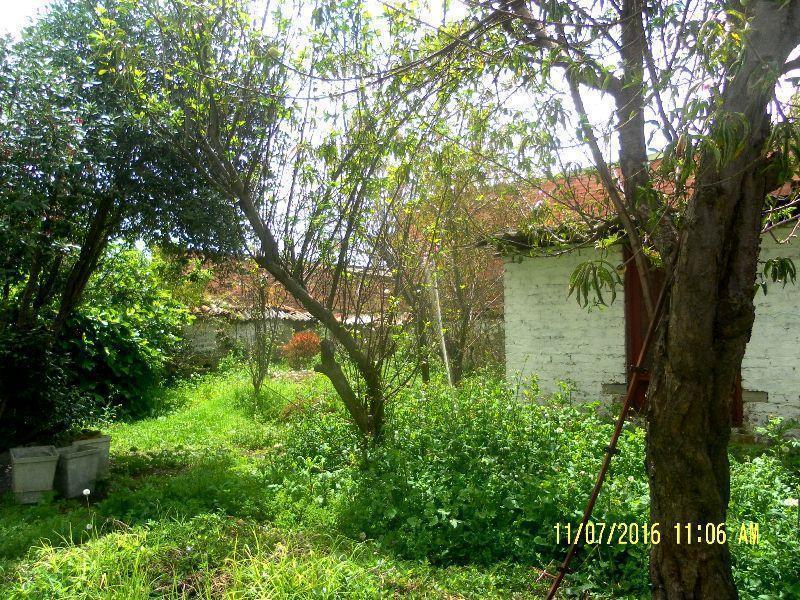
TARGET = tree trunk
(421,324)
(367,413)
(25,316)
(437,311)
(710,318)
(92,248)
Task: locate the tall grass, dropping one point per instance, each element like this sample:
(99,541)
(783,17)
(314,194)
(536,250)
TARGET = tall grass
(227,496)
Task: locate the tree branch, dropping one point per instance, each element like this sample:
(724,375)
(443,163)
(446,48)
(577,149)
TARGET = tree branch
(613,192)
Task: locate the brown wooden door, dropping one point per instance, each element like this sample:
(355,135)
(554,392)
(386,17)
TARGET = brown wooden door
(636,324)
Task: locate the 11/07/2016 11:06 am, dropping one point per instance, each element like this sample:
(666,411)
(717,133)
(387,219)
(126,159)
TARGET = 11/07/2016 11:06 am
(650,534)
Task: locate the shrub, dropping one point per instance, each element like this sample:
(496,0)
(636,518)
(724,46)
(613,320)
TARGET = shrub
(467,475)
(39,396)
(127,330)
(114,349)
(300,349)
(476,475)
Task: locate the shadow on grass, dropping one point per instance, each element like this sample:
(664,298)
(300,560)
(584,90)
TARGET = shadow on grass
(145,488)
(183,485)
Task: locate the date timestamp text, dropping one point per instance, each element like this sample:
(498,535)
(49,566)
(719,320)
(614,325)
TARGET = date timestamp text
(596,532)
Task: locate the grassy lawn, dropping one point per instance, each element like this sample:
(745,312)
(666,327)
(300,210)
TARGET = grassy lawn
(188,512)
(219,498)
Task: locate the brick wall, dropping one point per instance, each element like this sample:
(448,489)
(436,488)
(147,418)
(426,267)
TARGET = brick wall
(771,366)
(549,335)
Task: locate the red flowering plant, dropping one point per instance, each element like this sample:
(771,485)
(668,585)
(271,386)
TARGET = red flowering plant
(300,349)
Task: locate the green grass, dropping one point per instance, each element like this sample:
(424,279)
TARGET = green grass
(219,498)
(187,512)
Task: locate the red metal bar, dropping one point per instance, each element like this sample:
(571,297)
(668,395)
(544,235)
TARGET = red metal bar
(623,413)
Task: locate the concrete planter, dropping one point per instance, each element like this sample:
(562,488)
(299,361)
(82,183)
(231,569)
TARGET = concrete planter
(77,470)
(32,472)
(103,444)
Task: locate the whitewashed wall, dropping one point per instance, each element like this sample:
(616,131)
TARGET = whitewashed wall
(208,339)
(549,335)
(771,366)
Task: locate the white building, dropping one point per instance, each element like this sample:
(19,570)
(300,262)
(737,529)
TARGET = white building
(550,336)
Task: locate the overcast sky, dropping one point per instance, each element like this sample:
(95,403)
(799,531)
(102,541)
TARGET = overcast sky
(15,14)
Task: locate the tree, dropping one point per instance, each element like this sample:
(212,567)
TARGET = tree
(461,208)
(698,80)
(77,173)
(263,299)
(314,182)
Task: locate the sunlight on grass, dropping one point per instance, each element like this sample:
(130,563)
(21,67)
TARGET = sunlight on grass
(225,497)
(216,557)
(188,513)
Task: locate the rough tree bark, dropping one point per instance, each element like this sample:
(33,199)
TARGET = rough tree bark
(95,242)
(709,322)
(710,314)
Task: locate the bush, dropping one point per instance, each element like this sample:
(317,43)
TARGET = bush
(38,389)
(475,475)
(113,351)
(130,329)
(300,349)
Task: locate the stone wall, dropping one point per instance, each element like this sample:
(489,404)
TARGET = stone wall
(209,338)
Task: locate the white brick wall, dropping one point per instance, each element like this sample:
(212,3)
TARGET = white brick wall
(549,335)
(772,360)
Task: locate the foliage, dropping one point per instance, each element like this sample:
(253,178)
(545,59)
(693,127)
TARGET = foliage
(41,378)
(779,269)
(185,275)
(188,483)
(112,353)
(591,277)
(473,475)
(131,328)
(79,171)
(455,208)
(263,299)
(780,436)
(316,173)
(301,348)
(186,513)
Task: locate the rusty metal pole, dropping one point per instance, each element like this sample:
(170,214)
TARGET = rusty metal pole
(611,449)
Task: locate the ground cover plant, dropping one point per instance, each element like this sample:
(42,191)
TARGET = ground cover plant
(210,499)
(346,148)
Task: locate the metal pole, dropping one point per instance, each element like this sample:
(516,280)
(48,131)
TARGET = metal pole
(611,449)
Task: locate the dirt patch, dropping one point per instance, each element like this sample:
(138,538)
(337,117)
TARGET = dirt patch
(297,376)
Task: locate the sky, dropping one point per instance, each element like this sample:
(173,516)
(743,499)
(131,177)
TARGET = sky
(15,14)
